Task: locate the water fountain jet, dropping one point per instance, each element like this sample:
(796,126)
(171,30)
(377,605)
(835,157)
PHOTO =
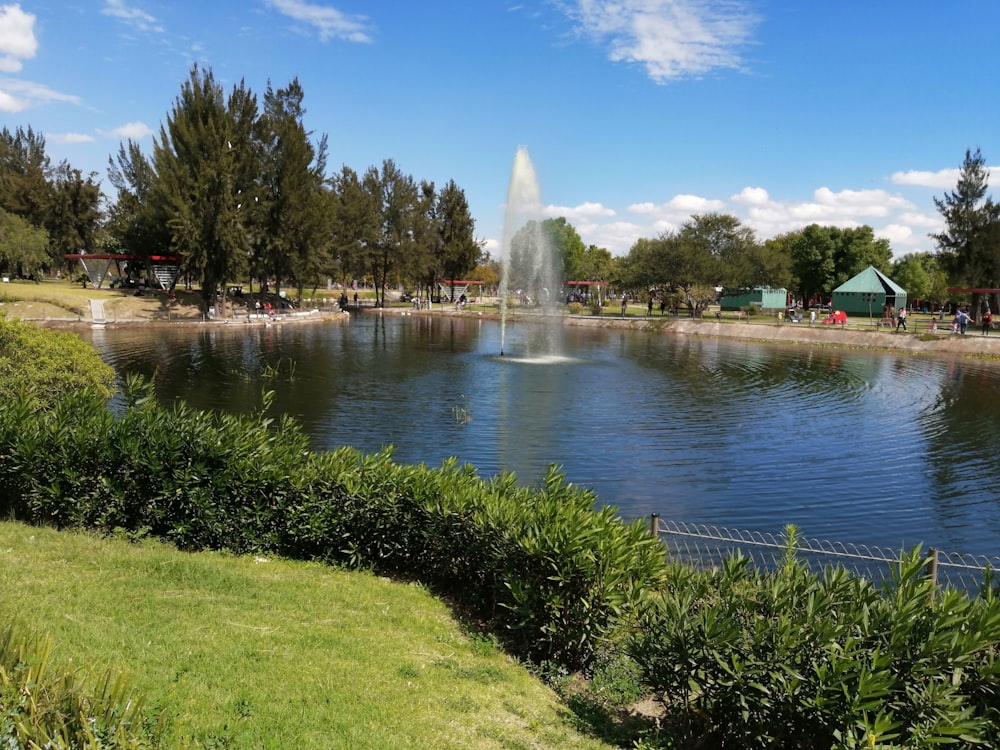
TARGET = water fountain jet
(527,254)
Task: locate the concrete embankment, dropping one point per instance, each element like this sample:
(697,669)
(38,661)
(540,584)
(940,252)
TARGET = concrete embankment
(944,342)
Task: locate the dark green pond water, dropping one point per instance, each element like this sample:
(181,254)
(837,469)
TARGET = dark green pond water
(853,446)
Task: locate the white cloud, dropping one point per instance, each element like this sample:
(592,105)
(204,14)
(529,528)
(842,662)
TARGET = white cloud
(895,233)
(943,178)
(330,23)
(861,202)
(18,95)
(131,130)
(613,235)
(583,211)
(17,38)
(752,196)
(694,204)
(671,38)
(919,219)
(133,16)
(69,138)
(642,208)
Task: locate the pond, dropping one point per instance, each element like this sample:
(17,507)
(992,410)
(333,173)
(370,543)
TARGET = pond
(855,446)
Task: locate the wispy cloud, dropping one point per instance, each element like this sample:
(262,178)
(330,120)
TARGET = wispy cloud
(17,95)
(671,39)
(328,22)
(17,38)
(133,16)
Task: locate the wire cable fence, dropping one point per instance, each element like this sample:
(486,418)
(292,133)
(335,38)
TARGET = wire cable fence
(705,547)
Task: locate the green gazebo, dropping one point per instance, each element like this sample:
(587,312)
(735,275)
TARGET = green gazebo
(867,293)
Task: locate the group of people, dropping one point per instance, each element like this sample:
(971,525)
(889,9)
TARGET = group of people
(267,308)
(960,323)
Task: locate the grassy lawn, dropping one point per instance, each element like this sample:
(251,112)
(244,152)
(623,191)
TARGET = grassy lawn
(243,652)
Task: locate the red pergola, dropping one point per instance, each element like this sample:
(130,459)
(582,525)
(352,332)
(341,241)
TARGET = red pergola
(97,266)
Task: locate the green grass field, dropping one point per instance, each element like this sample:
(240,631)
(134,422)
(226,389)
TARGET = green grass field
(243,652)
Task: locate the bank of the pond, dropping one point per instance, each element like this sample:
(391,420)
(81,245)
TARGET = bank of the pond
(943,342)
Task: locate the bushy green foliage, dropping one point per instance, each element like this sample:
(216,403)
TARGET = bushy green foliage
(739,657)
(552,573)
(40,366)
(746,659)
(42,708)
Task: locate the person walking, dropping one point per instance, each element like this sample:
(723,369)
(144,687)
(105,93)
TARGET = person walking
(624,303)
(987,322)
(901,319)
(963,321)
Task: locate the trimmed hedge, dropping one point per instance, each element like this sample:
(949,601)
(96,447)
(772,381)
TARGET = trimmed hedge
(549,571)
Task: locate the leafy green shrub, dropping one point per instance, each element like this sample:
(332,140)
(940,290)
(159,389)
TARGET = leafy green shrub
(574,308)
(40,366)
(746,659)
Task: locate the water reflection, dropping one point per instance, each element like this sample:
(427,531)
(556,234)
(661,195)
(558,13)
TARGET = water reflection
(861,447)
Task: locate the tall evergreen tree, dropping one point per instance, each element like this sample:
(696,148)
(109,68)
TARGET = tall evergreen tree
(25,171)
(206,161)
(58,199)
(136,223)
(457,251)
(968,247)
(296,217)
(398,202)
(355,224)
(74,218)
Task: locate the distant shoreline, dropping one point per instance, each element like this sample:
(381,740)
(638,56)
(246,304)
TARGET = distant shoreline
(942,343)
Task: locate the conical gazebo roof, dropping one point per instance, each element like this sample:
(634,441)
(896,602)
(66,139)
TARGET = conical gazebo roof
(871,280)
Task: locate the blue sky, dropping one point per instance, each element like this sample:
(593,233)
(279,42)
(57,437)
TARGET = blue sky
(636,113)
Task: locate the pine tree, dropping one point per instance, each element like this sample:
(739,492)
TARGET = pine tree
(458,252)
(206,162)
(297,220)
(968,247)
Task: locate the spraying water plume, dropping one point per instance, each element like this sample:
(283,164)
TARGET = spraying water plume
(528,266)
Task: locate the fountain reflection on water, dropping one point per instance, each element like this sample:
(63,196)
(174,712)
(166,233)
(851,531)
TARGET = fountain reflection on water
(529,261)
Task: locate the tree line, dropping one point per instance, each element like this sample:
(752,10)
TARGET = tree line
(239,189)
(235,189)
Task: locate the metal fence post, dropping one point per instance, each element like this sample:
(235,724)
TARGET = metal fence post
(654,524)
(932,567)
